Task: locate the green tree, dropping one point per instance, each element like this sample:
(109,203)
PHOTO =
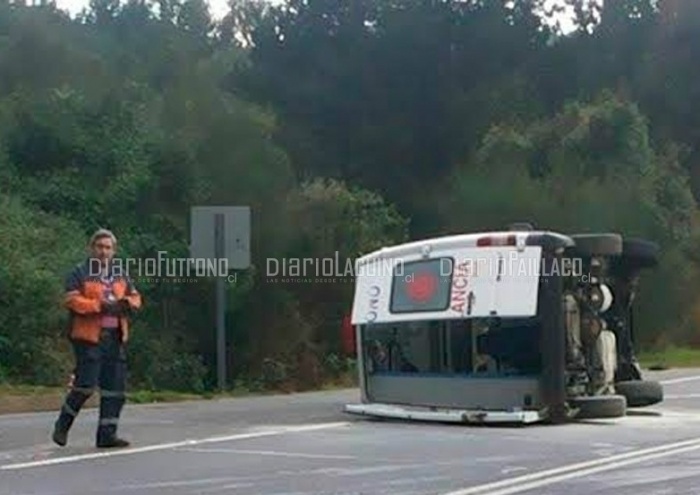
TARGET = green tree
(591,168)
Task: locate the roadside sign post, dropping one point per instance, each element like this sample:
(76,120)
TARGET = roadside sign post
(219,248)
(221,233)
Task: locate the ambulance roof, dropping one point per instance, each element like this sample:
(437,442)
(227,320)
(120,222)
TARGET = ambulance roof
(457,241)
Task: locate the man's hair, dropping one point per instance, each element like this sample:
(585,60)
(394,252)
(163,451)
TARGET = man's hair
(101,234)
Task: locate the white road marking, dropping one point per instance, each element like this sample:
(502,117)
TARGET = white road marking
(271,452)
(542,478)
(225,488)
(594,470)
(684,379)
(174,445)
(174,484)
(681,396)
(513,470)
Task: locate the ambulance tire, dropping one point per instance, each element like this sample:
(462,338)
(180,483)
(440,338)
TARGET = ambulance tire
(640,253)
(599,406)
(598,244)
(640,393)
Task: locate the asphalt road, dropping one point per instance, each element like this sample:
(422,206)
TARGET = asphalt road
(303,444)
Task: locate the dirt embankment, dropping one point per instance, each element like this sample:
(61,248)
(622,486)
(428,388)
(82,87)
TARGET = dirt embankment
(20,401)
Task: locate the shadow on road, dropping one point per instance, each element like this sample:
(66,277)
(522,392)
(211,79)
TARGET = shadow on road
(632,412)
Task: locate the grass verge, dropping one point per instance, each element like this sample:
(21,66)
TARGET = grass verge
(30,398)
(670,357)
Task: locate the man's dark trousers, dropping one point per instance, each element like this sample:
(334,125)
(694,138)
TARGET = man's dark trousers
(102,365)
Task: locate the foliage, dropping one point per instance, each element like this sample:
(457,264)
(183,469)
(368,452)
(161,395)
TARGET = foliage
(590,168)
(346,126)
(37,249)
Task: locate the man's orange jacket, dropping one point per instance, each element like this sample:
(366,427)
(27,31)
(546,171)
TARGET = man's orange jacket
(83,299)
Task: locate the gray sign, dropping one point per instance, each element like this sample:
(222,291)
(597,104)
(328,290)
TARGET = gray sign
(218,232)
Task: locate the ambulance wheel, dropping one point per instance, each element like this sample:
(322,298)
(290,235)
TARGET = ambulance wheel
(597,244)
(640,393)
(599,406)
(640,253)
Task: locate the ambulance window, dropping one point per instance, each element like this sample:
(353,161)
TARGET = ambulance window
(420,286)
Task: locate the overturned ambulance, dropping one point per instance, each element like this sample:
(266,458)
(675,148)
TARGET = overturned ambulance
(517,326)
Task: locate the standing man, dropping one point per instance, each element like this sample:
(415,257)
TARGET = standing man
(100,301)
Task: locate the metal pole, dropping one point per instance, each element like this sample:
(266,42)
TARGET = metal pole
(220,303)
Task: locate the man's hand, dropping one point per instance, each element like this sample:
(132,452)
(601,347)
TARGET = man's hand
(124,306)
(111,308)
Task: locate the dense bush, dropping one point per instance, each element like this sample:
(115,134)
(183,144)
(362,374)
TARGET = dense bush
(37,250)
(346,127)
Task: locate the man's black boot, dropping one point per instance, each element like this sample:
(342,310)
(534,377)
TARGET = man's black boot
(72,405)
(112,443)
(60,437)
(106,436)
(60,430)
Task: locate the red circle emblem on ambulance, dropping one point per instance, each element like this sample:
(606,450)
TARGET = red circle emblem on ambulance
(420,287)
